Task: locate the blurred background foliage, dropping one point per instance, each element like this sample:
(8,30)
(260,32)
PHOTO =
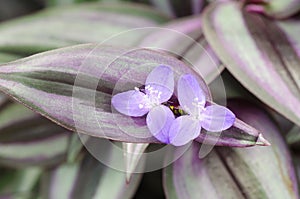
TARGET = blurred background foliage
(39,159)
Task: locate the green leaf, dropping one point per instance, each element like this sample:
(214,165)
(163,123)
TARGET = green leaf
(73,87)
(193,47)
(74,149)
(89,179)
(293,137)
(19,184)
(276,8)
(6,57)
(42,152)
(258,53)
(258,172)
(132,157)
(26,138)
(49,84)
(84,23)
(163,6)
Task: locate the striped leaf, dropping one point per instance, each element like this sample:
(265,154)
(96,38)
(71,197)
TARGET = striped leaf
(85,23)
(18,123)
(19,184)
(235,90)
(75,147)
(132,157)
(43,152)
(29,139)
(46,82)
(88,179)
(258,53)
(275,8)
(236,173)
(193,47)
(291,28)
(23,130)
(73,87)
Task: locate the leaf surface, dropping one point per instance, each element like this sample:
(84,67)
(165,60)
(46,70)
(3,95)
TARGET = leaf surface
(258,53)
(257,172)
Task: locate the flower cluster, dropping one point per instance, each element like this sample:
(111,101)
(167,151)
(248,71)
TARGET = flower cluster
(161,121)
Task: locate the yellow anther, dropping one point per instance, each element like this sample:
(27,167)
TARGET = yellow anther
(180,111)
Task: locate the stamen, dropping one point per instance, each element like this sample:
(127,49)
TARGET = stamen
(153,95)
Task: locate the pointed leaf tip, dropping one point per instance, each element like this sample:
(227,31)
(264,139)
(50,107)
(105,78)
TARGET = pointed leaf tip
(261,141)
(47,87)
(132,157)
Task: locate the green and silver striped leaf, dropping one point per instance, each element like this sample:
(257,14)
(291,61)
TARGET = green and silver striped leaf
(193,47)
(279,9)
(27,139)
(85,23)
(234,173)
(73,87)
(258,53)
(88,178)
(19,184)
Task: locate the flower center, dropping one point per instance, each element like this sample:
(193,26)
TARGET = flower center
(152,97)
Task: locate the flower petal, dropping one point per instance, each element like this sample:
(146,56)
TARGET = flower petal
(190,95)
(217,118)
(131,103)
(159,120)
(183,130)
(161,83)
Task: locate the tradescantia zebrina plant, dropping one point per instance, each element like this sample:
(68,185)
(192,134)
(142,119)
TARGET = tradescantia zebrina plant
(236,173)
(72,25)
(47,87)
(84,89)
(261,54)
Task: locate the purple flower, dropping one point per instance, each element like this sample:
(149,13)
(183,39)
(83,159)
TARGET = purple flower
(159,87)
(160,120)
(191,98)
